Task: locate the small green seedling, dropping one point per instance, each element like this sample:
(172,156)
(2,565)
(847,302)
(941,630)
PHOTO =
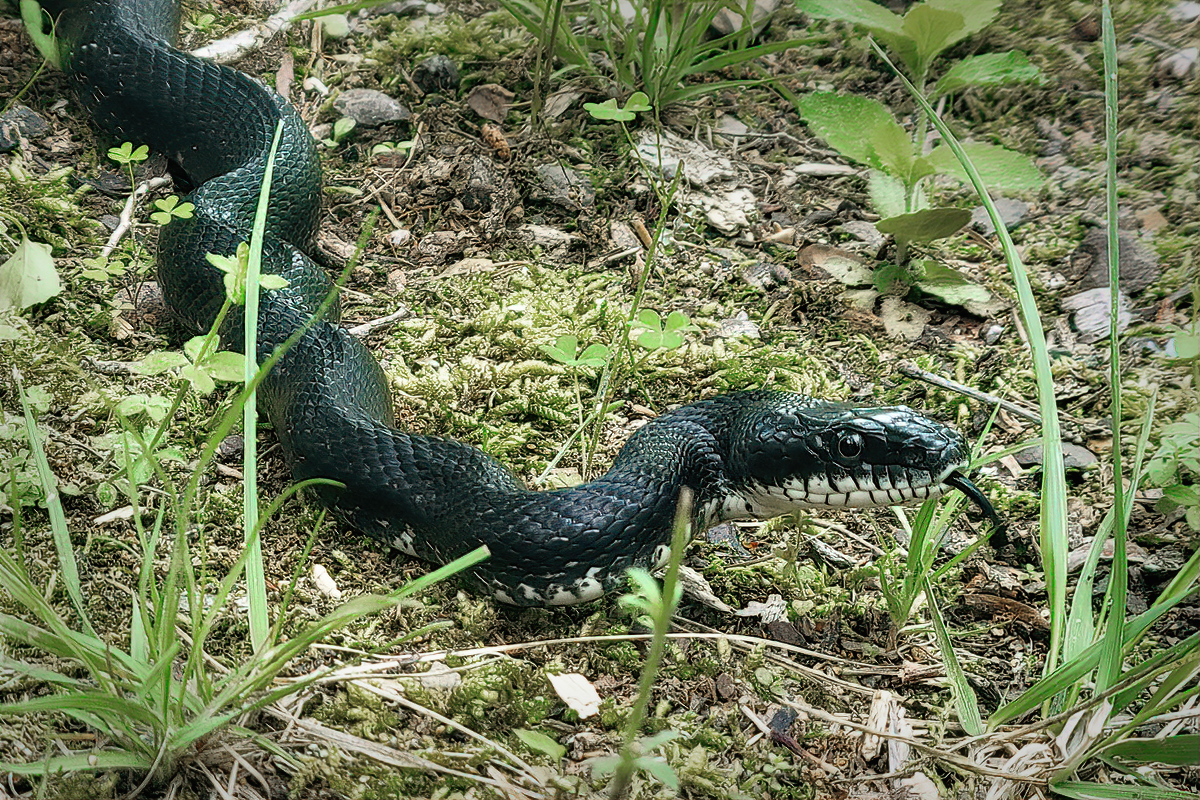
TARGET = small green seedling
(201,24)
(154,406)
(609,110)
(235,267)
(565,350)
(341,129)
(384,148)
(643,762)
(169,208)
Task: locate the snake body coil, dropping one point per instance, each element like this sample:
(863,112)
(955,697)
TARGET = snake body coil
(752,454)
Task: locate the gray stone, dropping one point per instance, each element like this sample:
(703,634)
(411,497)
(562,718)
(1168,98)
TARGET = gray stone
(1012,212)
(437,74)
(726,21)
(370,108)
(1185,12)
(1075,457)
(740,326)
(1090,313)
(21,122)
(1089,262)
(566,187)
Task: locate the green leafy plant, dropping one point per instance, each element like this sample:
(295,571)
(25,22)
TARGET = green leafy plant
(864,130)
(1101,684)
(154,701)
(28,276)
(652,46)
(655,605)
(342,127)
(1175,466)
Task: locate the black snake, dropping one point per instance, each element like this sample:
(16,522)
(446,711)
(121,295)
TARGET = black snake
(749,454)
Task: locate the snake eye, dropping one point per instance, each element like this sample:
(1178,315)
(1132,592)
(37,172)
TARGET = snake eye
(850,446)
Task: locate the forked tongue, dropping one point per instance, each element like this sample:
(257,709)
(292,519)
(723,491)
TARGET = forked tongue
(960,482)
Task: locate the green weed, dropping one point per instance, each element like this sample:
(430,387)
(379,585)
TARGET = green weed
(1099,686)
(864,130)
(652,46)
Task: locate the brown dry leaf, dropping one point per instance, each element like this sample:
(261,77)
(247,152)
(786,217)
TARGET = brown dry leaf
(490,101)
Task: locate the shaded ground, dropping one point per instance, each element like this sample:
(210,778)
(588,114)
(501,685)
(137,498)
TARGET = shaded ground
(496,261)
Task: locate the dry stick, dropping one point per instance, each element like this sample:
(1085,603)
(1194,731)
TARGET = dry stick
(126,220)
(913,371)
(382,322)
(236,45)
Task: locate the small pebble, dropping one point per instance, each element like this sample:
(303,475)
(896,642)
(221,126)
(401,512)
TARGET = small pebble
(370,108)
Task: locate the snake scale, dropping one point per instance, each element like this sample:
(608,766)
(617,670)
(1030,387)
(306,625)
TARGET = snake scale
(752,454)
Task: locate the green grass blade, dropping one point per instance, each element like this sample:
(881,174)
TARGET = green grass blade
(1182,750)
(964,696)
(256,584)
(1069,672)
(1118,583)
(58,520)
(1082,790)
(38,673)
(88,702)
(86,762)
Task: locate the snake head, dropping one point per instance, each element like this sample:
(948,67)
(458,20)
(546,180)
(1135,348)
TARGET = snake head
(796,453)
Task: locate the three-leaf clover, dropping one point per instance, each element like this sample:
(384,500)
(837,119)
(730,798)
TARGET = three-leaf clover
(170,208)
(126,154)
(101,269)
(656,334)
(565,350)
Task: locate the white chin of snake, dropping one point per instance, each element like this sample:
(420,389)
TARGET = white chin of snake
(763,502)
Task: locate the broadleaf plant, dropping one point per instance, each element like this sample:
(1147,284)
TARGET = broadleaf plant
(864,130)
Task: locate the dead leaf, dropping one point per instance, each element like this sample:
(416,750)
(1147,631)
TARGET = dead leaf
(577,692)
(490,101)
(903,320)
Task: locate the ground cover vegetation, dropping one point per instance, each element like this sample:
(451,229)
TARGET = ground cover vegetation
(561,275)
